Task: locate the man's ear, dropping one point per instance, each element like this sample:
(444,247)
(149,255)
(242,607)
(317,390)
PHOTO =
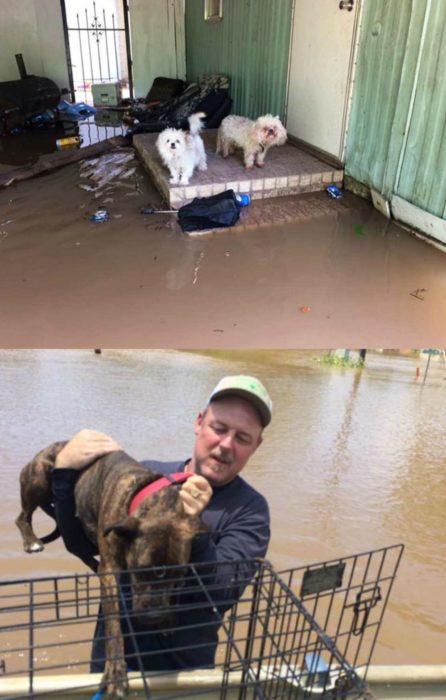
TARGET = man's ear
(127,528)
(198,422)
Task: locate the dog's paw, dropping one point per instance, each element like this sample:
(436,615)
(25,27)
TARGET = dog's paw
(34,547)
(115,692)
(114,680)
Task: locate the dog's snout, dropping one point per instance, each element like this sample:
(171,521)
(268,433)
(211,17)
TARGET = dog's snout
(152,617)
(173,145)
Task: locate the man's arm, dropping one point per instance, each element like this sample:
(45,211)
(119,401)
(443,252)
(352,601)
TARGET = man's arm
(71,530)
(244,536)
(243,522)
(79,453)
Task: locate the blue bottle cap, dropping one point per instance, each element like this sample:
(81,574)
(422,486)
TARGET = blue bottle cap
(243,199)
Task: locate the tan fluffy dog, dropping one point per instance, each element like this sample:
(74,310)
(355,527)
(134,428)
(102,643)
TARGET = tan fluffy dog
(255,138)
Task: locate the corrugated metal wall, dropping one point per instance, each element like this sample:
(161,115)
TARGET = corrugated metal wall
(397,132)
(250,44)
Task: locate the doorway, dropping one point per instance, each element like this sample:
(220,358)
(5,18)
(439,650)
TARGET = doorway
(97,40)
(322,64)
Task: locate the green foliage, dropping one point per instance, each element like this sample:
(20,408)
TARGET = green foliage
(338,361)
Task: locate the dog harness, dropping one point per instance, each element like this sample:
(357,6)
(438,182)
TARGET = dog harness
(157,485)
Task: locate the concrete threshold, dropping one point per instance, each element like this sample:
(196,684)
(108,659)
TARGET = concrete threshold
(288,170)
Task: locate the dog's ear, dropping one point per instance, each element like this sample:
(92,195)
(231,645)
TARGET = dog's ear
(128,528)
(201,528)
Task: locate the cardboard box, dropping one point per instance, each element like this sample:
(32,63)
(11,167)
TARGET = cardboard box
(106,94)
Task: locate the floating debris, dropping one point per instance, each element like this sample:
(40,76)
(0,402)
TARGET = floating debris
(197,267)
(100,216)
(129,173)
(334,192)
(108,171)
(417,293)
(152,210)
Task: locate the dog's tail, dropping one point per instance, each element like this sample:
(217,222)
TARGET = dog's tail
(51,537)
(196,123)
(49,510)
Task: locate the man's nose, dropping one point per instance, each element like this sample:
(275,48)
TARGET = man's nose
(227,442)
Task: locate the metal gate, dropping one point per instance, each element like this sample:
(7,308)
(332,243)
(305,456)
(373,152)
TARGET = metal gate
(97,42)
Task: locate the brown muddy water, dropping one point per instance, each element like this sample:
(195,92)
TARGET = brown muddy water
(353,460)
(339,274)
(25,147)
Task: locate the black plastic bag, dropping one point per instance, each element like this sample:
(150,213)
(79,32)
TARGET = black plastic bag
(220,210)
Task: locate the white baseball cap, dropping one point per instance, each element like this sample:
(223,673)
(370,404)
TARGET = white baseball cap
(249,388)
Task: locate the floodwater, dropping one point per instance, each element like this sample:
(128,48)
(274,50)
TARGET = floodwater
(25,147)
(354,459)
(339,274)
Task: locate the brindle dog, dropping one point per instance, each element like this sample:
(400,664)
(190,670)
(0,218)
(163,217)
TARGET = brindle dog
(158,534)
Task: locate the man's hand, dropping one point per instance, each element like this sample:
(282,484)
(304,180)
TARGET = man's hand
(84,448)
(195,494)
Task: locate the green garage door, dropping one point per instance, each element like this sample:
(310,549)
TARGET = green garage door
(397,131)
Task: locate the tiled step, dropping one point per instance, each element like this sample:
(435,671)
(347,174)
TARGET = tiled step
(288,170)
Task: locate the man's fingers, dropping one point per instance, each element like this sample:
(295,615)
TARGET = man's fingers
(195,494)
(84,448)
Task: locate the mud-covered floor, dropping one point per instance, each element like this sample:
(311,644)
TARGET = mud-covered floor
(331,274)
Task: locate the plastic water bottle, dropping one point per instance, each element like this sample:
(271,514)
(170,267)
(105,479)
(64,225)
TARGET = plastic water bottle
(68,142)
(334,192)
(243,199)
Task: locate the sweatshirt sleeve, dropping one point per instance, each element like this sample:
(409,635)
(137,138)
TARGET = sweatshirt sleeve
(228,558)
(71,530)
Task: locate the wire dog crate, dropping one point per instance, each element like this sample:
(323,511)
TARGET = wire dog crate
(306,632)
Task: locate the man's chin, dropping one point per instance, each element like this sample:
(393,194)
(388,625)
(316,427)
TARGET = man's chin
(215,474)
(213,477)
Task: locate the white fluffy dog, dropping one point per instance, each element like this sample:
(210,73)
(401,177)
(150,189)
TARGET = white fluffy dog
(183,151)
(255,138)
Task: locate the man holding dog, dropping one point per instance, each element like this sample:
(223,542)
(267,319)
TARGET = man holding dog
(227,433)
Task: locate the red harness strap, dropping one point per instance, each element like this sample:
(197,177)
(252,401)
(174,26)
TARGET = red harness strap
(161,483)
